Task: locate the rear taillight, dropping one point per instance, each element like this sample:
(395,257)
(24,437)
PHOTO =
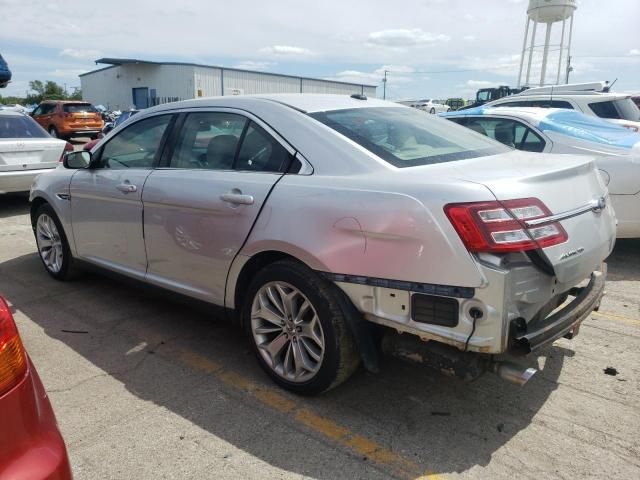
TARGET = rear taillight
(13,359)
(67,148)
(499,226)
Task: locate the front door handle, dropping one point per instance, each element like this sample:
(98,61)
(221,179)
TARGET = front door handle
(237,198)
(127,188)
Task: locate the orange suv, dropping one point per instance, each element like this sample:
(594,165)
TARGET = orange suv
(64,119)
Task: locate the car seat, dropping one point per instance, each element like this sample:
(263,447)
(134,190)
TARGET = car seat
(221,151)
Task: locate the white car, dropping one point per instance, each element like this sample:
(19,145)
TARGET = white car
(551,130)
(614,107)
(428,105)
(325,223)
(26,150)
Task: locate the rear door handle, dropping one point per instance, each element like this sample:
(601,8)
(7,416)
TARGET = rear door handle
(127,188)
(237,198)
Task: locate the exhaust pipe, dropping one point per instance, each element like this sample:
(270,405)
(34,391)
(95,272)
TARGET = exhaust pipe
(512,373)
(450,361)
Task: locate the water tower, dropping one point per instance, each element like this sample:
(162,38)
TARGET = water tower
(547,12)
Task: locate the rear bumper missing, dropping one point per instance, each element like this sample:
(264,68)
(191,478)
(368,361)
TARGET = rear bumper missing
(563,323)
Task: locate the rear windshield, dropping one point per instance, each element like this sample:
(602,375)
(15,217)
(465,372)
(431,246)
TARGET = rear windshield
(406,137)
(18,126)
(623,108)
(79,108)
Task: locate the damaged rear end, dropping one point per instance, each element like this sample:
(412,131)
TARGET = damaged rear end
(540,245)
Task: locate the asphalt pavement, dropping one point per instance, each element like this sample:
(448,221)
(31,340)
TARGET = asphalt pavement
(146,387)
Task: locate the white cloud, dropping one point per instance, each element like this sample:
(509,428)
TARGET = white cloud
(395,74)
(287,50)
(405,38)
(67,72)
(479,84)
(253,65)
(469,38)
(80,53)
(634,52)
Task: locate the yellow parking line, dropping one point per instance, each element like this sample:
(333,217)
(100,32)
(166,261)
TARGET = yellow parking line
(612,316)
(331,430)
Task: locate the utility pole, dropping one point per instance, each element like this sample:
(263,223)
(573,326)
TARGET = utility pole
(569,68)
(384,85)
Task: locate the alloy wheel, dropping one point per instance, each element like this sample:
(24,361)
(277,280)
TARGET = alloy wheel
(49,243)
(287,331)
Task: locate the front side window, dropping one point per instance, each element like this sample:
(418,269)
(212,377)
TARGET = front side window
(136,146)
(406,137)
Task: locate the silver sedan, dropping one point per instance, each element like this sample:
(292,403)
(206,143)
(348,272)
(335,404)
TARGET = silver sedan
(328,224)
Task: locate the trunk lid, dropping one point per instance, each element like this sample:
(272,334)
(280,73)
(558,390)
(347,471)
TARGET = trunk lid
(565,184)
(29,154)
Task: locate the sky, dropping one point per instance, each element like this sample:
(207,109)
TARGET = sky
(430,48)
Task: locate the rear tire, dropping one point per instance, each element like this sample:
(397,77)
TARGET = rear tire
(53,246)
(432,111)
(299,332)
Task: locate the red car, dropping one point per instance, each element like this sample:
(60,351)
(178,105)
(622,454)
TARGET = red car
(31,446)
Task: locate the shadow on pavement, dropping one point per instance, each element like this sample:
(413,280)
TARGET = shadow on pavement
(441,424)
(624,261)
(12,204)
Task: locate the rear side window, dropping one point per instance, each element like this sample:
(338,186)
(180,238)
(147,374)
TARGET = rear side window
(260,152)
(208,140)
(623,108)
(227,141)
(521,103)
(18,126)
(508,132)
(406,137)
(78,108)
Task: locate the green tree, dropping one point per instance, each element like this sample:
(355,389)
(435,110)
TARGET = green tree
(76,95)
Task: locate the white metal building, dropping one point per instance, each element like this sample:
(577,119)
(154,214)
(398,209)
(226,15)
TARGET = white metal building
(128,83)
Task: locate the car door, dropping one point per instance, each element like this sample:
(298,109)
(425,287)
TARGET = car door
(200,207)
(106,198)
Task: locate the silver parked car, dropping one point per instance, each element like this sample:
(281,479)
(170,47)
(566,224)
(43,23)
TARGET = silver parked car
(327,224)
(26,150)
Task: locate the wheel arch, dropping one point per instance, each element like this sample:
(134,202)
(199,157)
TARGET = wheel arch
(253,265)
(362,330)
(36,203)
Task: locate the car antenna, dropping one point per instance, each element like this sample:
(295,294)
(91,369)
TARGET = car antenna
(607,88)
(551,99)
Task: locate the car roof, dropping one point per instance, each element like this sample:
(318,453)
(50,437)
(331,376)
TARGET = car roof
(65,101)
(557,95)
(303,102)
(8,112)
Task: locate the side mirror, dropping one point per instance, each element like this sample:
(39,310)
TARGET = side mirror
(77,160)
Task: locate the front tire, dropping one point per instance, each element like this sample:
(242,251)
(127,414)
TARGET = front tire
(432,111)
(299,332)
(53,247)
(54,132)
